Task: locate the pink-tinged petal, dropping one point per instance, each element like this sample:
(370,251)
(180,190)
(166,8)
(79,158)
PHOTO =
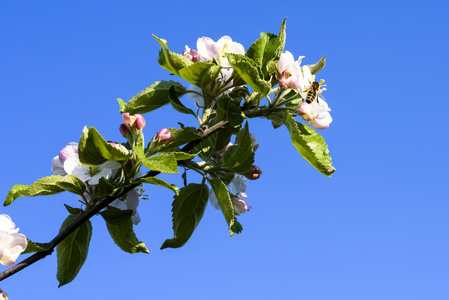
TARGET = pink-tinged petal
(128,119)
(164,136)
(140,122)
(285,60)
(240,205)
(207,49)
(57,167)
(71,150)
(322,121)
(191,54)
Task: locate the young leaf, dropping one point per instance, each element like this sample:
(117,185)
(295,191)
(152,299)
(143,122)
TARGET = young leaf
(120,228)
(165,162)
(93,149)
(72,184)
(240,157)
(247,69)
(310,145)
(72,251)
(222,193)
(264,50)
(282,37)
(200,73)
(41,187)
(319,65)
(188,209)
(122,105)
(36,247)
(177,104)
(152,97)
(160,182)
(171,61)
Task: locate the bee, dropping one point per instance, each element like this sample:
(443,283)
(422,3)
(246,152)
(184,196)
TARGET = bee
(312,92)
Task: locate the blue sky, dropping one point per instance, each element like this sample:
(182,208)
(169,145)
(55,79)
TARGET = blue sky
(376,230)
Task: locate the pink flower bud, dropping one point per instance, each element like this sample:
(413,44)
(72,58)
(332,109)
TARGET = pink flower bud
(253,173)
(124,130)
(128,119)
(191,54)
(140,122)
(164,136)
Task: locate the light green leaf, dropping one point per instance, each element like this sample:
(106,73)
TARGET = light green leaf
(318,66)
(120,228)
(72,184)
(171,61)
(36,247)
(200,73)
(188,209)
(264,50)
(152,97)
(180,137)
(310,145)
(41,187)
(250,73)
(240,157)
(122,105)
(72,251)
(282,37)
(93,149)
(165,162)
(222,193)
(176,103)
(160,182)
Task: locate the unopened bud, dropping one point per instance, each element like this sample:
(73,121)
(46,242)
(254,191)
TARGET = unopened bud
(191,54)
(253,173)
(164,136)
(124,130)
(140,122)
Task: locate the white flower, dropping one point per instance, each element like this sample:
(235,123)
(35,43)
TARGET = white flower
(290,72)
(316,113)
(208,50)
(240,205)
(68,163)
(131,203)
(11,242)
(239,186)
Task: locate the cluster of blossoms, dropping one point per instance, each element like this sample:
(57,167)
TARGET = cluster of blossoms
(293,76)
(11,242)
(209,50)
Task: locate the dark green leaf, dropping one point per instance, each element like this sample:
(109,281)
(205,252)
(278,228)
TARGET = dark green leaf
(152,97)
(73,211)
(120,228)
(310,145)
(72,251)
(249,72)
(176,103)
(319,65)
(240,157)
(160,182)
(264,50)
(36,247)
(41,187)
(106,188)
(277,116)
(229,109)
(222,193)
(188,209)
(171,61)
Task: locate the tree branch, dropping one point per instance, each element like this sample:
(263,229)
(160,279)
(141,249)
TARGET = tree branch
(89,213)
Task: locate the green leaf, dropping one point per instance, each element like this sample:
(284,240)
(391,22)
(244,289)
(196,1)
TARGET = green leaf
(72,251)
(184,155)
(200,73)
(160,182)
(240,157)
(206,148)
(73,211)
(319,65)
(122,105)
(180,137)
(36,247)
(93,149)
(171,61)
(277,116)
(222,193)
(72,184)
(264,50)
(152,97)
(165,162)
(250,73)
(282,36)
(41,187)
(120,228)
(176,103)
(188,209)
(310,145)
(105,188)
(229,109)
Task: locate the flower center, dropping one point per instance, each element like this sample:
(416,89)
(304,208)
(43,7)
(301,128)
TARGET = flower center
(93,171)
(223,50)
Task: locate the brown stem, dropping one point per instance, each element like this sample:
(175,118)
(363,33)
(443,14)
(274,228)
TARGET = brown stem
(89,213)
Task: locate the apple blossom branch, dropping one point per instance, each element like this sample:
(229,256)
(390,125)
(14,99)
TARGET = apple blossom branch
(203,133)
